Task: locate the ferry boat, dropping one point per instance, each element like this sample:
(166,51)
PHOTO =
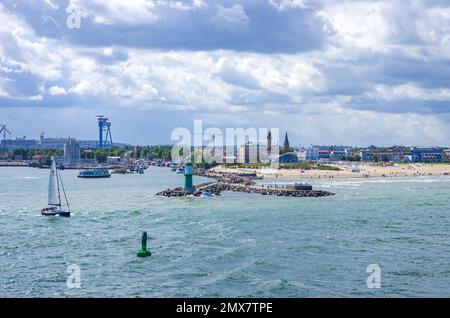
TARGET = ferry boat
(94,173)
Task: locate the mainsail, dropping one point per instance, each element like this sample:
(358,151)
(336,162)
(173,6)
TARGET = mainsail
(53,191)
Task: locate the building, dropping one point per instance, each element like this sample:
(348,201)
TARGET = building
(402,154)
(11,144)
(365,155)
(386,154)
(405,158)
(49,143)
(307,153)
(337,155)
(349,152)
(288,157)
(248,153)
(446,155)
(301,155)
(253,153)
(52,143)
(286,143)
(312,153)
(112,160)
(89,144)
(427,154)
(324,155)
(39,159)
(72,153)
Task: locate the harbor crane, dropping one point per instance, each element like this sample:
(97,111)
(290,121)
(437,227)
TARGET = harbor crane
(5,131)
(104,132)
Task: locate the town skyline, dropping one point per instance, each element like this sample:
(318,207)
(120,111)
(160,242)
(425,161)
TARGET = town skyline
(16,142)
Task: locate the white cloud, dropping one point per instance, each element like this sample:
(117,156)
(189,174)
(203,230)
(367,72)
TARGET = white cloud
(3,82)
(233,17)
(51,4)
(57,90)
(213,81)
(282,5)
(409,91)
(136,12)
(334,124)
(411,28)
(21,48)
(118,11)
(359,24)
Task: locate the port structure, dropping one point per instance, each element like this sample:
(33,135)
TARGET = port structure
(4,131)
(104,132)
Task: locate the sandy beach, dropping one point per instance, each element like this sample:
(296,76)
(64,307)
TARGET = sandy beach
(348,170)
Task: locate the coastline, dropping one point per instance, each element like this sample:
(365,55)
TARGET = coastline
(346,171)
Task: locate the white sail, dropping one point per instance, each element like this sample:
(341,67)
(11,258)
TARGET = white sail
(53,191)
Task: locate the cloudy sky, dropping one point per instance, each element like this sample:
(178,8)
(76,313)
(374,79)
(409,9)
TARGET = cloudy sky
(353,72)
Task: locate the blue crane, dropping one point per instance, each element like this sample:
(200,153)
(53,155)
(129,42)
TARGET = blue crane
(104,132)
(5,131)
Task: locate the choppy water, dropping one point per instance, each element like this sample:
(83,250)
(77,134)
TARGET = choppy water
(230,246)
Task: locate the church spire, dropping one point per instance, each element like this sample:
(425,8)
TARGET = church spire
(286,142)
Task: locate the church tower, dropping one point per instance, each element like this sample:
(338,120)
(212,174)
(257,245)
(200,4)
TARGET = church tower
(286,143)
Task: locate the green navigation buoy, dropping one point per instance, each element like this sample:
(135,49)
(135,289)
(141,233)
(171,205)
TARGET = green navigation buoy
(188,185)
(143,252)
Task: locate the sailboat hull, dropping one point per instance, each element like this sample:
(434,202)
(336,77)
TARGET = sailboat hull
(55,213)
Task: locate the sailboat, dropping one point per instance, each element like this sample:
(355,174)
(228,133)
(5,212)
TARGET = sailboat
(54,194)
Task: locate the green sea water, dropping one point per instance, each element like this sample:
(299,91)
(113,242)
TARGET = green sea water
(235,245)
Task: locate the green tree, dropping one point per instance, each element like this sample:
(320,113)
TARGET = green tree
(166,154)
(100,155)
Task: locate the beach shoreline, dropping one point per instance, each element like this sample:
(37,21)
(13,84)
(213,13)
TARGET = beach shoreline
(347,170)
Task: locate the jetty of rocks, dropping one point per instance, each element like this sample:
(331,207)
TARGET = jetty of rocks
(243,184)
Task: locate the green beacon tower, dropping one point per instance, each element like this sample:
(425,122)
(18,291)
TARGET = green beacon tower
(188,186)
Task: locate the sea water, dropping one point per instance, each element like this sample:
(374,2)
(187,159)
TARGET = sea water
(235,245)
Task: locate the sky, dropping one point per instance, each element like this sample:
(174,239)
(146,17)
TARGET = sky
(327,72)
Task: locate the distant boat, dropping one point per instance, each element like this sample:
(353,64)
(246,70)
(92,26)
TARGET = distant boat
(120,171)
(173,167)
(54,194)
(180,170)
(94,173)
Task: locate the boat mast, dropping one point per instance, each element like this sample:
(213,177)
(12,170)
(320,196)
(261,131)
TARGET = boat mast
(57,182)
(64,192)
